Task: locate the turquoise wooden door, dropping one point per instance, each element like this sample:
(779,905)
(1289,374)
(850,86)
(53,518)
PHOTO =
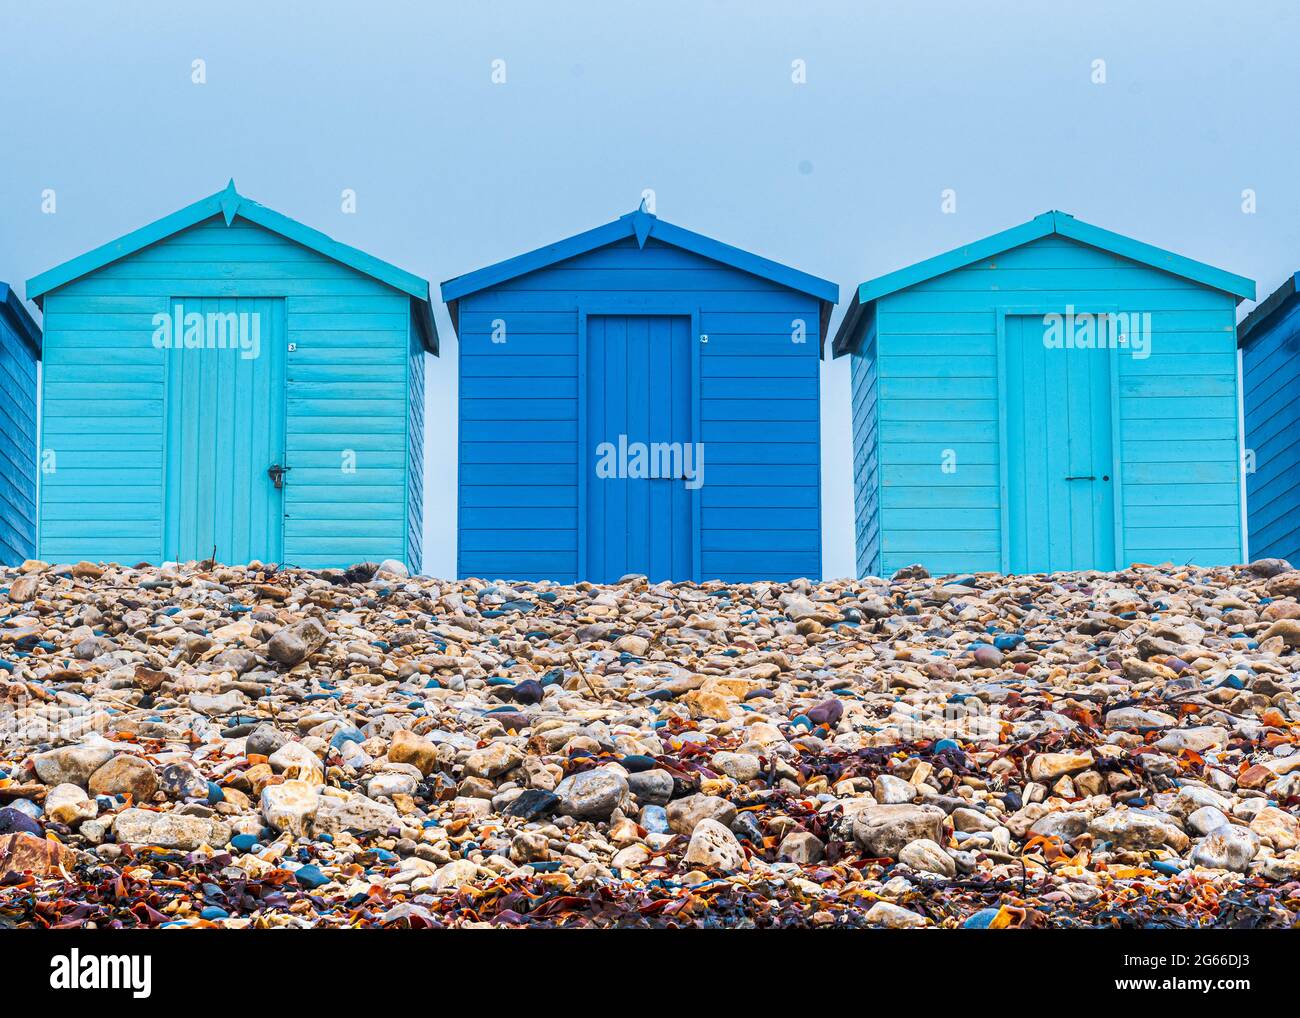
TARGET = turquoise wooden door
(1060,488)
(638,418)
(225,430)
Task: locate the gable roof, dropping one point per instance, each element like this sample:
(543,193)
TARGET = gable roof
(18,318)
(1060,223)
(229,204)
(642,225)
(1279,300)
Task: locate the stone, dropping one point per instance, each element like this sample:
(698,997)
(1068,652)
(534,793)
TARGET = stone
(15,821)
(23,589)
(69,804)
(356,814)
(926,856)
(713,847)
(296,762)
(1206,819)
(592,794)
(653,787)
(685,814)
(493,760)
(802,848)
(182,780)
(882,831)
(893,790)
(264,740)
(894,917)
(1227,848)
(532,803)
(135,826)
(407,747)
(293,644)
(291,807)
(455,875)
(390,784)
(125,774)
(1279,828)
(1140,830)
(71,765)
(740,766)
(1047,767)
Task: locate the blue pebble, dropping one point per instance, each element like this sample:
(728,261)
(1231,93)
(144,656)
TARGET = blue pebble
(215,794)
(802,721)
(943,744)
(1165,866)
(655,819)
(348,734)
(212,912)
(310,877)
(245,842)
(981,920)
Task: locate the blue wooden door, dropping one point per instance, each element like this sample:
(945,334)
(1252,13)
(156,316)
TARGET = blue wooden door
(638,399)
(1060,489)
(225,429)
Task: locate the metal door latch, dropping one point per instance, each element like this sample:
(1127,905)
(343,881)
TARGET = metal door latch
(1082,477)
(276,472)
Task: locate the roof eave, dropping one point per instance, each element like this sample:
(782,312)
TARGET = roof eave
(642,225)
(20,320)
(1275,303)
(846,336)
(1158,258)
(228,203)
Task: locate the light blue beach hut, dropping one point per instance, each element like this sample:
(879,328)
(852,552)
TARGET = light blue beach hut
(1053,397)
(227,383)
(639,399)
(20,349)
(1269,338)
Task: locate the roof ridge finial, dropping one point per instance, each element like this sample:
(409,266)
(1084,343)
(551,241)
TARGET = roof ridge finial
(230,199)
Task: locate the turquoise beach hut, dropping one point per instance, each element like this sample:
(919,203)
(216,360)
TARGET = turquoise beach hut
(1269,338)
(227,383)
(20,349)
(639,399)
(1053,397)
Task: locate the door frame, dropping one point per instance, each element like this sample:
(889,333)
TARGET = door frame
(1001,313)
(627,306)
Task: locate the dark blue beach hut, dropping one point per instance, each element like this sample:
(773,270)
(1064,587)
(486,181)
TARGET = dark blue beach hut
(20,349)
(229,383)
(1052,397)
(1269,338)
(639,399)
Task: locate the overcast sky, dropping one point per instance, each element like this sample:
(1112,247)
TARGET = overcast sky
(841,175)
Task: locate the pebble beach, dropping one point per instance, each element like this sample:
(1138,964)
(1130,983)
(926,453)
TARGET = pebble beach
(195,745)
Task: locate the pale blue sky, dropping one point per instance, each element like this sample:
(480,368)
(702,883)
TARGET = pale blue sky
(840,176)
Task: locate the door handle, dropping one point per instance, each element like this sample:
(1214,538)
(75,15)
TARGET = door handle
(276,472)
(1082,477)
